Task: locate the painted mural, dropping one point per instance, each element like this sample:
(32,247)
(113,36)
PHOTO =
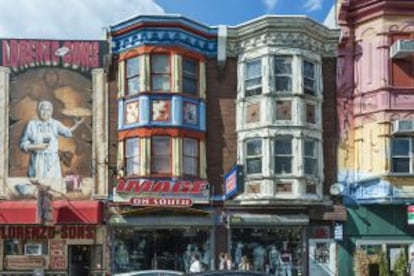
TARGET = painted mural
(50,114)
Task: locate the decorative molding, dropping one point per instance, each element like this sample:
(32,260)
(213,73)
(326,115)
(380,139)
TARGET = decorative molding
(164,36)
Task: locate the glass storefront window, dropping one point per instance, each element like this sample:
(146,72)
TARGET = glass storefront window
(276,250)
(135,250)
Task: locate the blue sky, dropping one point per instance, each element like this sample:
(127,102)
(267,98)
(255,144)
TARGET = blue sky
(88,19)
(234,12)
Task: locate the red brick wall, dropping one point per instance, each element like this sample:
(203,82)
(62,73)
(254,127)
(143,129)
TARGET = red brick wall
(221,139)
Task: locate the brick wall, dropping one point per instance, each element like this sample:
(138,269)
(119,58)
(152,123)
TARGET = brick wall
(221,137)
(330,121)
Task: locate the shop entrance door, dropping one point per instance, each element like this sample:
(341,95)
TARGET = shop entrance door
(79,259)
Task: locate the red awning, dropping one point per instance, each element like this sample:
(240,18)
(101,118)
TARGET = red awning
(64,212)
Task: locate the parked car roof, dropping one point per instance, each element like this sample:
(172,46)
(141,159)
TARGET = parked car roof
(151,273)
(229,273)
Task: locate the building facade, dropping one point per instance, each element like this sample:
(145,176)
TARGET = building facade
(375,109)
(53,173)
(285,91)
(161,194)
(217,144)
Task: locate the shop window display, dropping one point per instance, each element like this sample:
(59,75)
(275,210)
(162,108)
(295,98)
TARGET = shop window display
(159,249)
(276,251)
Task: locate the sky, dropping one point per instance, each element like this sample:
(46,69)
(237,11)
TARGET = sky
(88,19)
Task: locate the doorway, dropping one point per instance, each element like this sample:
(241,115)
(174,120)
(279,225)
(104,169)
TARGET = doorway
(79,259)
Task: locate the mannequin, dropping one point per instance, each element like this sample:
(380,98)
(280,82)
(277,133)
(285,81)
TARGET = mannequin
(187,256)
(286,260)
(259,255)
(274,259)
(238,253)
(122,256)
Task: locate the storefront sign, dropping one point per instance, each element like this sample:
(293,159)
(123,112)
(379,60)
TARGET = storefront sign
(233,181)
(26,232)
(162,202)
(338,231)
(410,214)
(57,254)
(20,262)
(167,189)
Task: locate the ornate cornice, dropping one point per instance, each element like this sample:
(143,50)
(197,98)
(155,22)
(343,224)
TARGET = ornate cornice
(283,31)
(163,30)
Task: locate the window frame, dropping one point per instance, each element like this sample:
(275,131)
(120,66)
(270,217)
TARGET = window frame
(195,77)
(153,74)
(195,158)
(154,154)
(255,156)
(288,75)
(315,117)
(312,158)
(409,156)
(136,155)
(129,77)
(282,155)
(259,77)
(306,90)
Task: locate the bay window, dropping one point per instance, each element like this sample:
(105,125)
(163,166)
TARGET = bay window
(190,156)
(283,155)
(190,76)
(283,74)
(309,78)
(161,155)
(283,110)
(254,156)
(311,157)
(132,156)
(132,75)
(253,78)
(160,72)
(401,154)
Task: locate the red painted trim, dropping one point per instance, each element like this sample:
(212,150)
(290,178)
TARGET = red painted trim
(64,212)
(148,132)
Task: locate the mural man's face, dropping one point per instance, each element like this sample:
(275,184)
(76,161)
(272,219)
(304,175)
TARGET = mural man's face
(45,112)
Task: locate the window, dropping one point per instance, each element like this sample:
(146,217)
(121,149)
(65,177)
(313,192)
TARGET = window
(253,113)
(160,73)
(283,74)
(190,156)
(401,149)
(254,156)
(132,75)
(190,76)
(311,157)
(284,110)
(161,110)
(283,155)
(132,156)
(284,188)
(253,80)
(131,112)
(309,78)
(161,155)
(310,113)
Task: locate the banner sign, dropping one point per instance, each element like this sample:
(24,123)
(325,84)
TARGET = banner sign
(233,181)
(152,191)
(410,214)
(161,202)
(26,232)
(22,54)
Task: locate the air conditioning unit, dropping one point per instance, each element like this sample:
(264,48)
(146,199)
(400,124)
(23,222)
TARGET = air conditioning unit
(403,126)
(402,48)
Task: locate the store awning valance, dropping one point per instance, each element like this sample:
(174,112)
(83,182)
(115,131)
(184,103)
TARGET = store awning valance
(246,219)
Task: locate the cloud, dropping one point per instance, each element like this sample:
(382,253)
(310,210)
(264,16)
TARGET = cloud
(270,4)
(68,19)
(313,5)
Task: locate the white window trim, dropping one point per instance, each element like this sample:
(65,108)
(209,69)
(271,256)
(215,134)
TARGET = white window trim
(275,75)
(291,155)
(316,76)
(245,79)
(314,158)
(261,155)
(409,156)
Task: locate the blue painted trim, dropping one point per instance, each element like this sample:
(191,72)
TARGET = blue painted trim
(164,37)
(177,102)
